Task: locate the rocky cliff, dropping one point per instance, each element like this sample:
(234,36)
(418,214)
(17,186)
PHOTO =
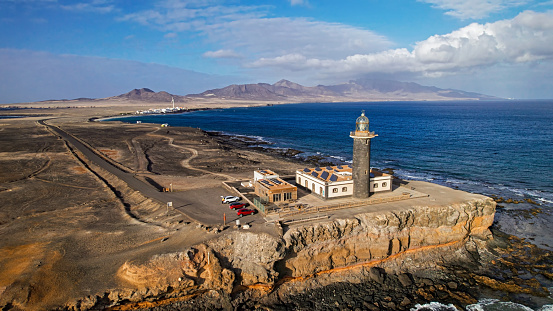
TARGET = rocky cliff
(253,266)
(378,236)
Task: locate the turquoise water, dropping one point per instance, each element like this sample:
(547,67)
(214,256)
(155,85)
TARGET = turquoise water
(500,148)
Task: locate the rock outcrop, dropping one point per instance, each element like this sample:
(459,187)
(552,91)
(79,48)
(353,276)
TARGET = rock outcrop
(252,265)
(377,236)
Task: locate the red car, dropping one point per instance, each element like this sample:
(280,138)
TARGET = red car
(245,211)
(237,205)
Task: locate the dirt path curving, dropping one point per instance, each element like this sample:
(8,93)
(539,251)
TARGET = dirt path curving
(186,162)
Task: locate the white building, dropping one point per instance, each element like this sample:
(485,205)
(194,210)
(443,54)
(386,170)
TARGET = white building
(264,174)
(337,181)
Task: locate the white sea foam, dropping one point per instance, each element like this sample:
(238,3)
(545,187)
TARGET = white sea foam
(434,306)
(482,305)
(494,304)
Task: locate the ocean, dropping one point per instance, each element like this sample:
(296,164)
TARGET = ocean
(501,148)
(496,148)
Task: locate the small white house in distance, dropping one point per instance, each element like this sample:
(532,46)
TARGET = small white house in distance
(264,174)
(337,181)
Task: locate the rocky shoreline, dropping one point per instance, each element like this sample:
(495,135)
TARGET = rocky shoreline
(457,276)
(240,142)
(460,276)
(476,269)
(384,261)
(378,260)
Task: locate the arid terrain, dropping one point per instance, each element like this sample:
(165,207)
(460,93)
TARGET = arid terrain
(65,232)
(77,234)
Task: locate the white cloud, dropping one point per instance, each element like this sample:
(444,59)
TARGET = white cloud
(222,54)
(96,6)
(473,9)
(272,37)
(526,38)
(178,15)
(299,2)
(248,31)
(170,35)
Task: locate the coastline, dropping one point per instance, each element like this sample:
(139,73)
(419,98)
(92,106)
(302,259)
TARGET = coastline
(76,124)
(513,209)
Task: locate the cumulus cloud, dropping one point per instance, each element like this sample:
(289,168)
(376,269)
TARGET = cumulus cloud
(526,38)
(473,9)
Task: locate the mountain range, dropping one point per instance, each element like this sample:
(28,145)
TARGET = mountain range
(287,91)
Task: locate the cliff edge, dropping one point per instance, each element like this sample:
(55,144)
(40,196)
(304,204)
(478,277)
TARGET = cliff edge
(245,266)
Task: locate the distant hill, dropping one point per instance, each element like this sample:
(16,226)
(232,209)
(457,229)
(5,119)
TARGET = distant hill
(361,89)
(287,91)
(147,95)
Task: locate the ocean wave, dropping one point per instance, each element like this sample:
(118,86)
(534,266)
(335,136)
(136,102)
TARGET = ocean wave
(495,304)
(476,186)
(343,159)
(434,306)
(256,138)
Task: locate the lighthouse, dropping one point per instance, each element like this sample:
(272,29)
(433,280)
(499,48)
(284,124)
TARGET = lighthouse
(361,169)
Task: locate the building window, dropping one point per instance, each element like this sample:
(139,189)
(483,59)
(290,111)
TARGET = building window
(375,185)
(299,181)
(384,185)
(334,190)
(344,189)
(321,190)
(276,197)
(287,196)
(306,184)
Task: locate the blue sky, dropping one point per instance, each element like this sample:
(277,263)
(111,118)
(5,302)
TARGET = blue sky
(53,49)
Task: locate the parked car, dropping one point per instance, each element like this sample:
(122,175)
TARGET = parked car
(245,211)
(237,205)
(229,199)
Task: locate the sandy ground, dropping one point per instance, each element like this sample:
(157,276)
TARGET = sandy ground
(63,231)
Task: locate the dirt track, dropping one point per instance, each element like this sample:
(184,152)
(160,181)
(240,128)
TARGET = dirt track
(66,226)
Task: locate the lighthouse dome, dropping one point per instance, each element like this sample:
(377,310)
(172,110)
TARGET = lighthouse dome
(362,123)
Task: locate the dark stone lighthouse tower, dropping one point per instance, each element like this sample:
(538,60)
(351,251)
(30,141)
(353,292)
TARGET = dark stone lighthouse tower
(362,157)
